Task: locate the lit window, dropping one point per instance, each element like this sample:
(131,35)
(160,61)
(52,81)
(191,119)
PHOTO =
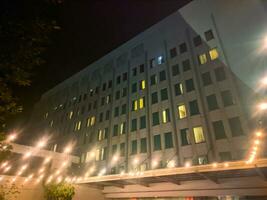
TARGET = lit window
(202,58)
(198,134)
(71,114)
(79,125)
(214,54)
(165,116)
(51,123)
(122,128)
(108,99)
(92,121)
(99,134)
(97,155)
(142,84)
(88,121)
(181,111)
(160,60)
(142,102)
(178,89)
(46,115)
(135,105)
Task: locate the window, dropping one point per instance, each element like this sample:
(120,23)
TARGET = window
(115,130)
(134,71)
(134,105)
(197,41)
(142,68)
(142,85)
(99,135)
(118,80)
(189,85)
(122,128)
(218,130)
(175,70)
(166,116)
(141,102)
(108,99)
(186,65)
(181,111)
(117,95)
(209,35)
(152,62)
(134,87)
(110,84)
(107,115)
(70,114)
(173,52)
(124,92)
(114,149)
(95,105)
(162,75)
(168,140)
(134,125)
(212,102)
(183,48)
(105,133)
(225,156)
(143,148)
(220,74)
(143,122)
(155,118)
(202,59)
(116,111)
(202,160)
(193,107)
(134,147)
(123,109)
(235,126)
(164,94)
(100,117)
(102,101)
(227,98)
(185,137)
(178,89)
(122,149)
(77,126)
(160,60)
(154,98)
(206,79)
(124,76)
(157,143)
(89,106)
(92,121)
(103,153)
(198,134)
(153,79)
(213,54)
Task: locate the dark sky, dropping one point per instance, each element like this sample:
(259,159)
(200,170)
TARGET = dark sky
(90,29)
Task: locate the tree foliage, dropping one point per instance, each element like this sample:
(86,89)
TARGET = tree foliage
(60,191)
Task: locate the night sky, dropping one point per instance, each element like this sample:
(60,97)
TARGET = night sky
(90,29)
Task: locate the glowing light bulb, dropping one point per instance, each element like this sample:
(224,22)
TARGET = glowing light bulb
(3,164)
(154,163)
(226,164)
(263,106)
(27,155)
(115,158)
(41,143)
(187,164)
(257,142)
(7,168)
(12,137)
(67,149)
(135,161)
(258,134)
(47,160)
(171,164)
(214,165)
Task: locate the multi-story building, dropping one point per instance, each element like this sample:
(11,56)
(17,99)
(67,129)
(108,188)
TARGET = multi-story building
(165,98)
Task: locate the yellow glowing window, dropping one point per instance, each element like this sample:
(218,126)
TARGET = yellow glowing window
(164,116)
(214,54)
(202,58)
(135,105)
(102,154)
(79,125)
(99,134)
(181,111)
(51,123)
(198,134)
(141,103)
(121,128)
(108,99)
(181,88)
(88,121)
(46,115)
(71,114)
(92,121)
(97,155)
(143,84)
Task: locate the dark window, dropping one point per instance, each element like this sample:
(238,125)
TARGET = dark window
(162,75)
(168,140)
(124,92)
(154,98)
(134,147)
(186,65)
(100,117)
(134,71)
(84,97)
(152,62)
(178,89)
(183,48)
(164,94)
(96,91)
(218,130)
(212,102)
(107,115)
(122,149)
(227,98)
(115,130)
(143,148)
(124,76)
(155,118)
(220,74)
(193,107)
(142,68)
(95,105)
(114,149)
(197,41)
(118,81)
(102,101)
(206,79)
(209,35)
(185,136)
(134,125)
(153,79)
(134,87)
(225,156)
(110,84)
(104,86)
(116,112)
(143,122)
(175,70)
(173,52)
(157,143)
(235,126)
(189,85)
(117,95)
(123,109)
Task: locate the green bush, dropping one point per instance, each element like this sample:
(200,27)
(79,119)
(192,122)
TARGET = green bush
(59,191)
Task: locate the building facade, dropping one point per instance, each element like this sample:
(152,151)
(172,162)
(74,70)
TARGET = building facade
(165,98)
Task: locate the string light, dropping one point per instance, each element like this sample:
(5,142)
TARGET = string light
(135,161)
(11,137)
(67,149)
(27,155)
(214,165)
(154,163)
(187,164)
(258,134)
(47,160)
(3,164)
(226,164)
(7,168)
